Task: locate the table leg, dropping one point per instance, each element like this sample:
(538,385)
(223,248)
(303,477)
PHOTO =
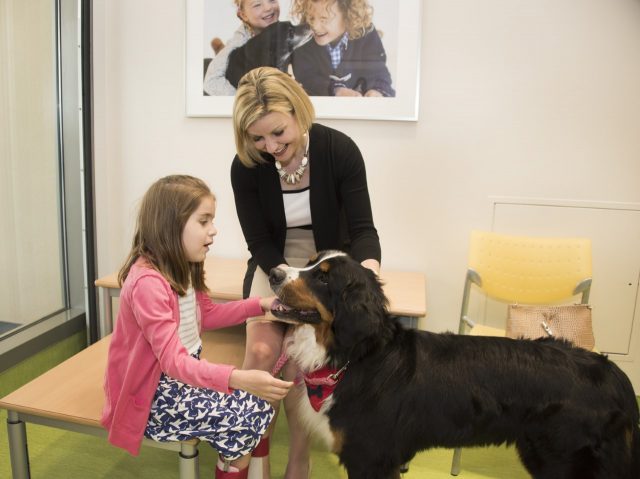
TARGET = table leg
(107,313)
(189,463)
(18,446)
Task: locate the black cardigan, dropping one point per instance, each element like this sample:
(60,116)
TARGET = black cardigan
(339,197)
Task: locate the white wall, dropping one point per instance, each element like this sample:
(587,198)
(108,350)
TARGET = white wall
(517,98)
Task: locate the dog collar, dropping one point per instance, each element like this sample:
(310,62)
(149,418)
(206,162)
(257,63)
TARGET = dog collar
(321,383)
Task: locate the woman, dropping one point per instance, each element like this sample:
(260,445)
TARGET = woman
(299,187)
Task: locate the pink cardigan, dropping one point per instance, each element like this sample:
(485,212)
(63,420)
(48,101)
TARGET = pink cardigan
(145,343)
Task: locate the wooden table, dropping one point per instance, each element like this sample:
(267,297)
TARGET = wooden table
(70,396)
(224,277)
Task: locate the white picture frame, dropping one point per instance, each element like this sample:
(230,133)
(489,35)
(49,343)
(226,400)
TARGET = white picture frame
(399,23)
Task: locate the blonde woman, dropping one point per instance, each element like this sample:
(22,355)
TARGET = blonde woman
(299,187)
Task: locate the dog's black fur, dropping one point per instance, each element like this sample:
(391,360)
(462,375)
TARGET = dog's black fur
(571,413)
(271,48)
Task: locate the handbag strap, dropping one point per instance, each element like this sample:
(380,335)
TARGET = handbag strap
(548,316)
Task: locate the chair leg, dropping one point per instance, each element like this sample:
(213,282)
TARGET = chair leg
(455,463)
(189,464)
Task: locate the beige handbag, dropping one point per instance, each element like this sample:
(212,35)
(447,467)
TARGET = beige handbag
(571,322)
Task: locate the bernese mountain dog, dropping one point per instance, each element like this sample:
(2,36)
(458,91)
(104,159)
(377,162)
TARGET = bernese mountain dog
(384,392)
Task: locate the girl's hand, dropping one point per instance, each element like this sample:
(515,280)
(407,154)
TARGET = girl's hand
(266,303)
(259,383)
(373,93)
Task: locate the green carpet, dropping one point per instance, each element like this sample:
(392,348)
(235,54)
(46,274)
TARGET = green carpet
(57,454)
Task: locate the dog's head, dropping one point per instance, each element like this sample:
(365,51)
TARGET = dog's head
(273,47)
(339,298)
(298,35)
(284,39)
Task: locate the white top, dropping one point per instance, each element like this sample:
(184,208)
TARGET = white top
(297,208)
(188,329)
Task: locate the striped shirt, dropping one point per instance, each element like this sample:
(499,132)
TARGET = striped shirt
(188,329)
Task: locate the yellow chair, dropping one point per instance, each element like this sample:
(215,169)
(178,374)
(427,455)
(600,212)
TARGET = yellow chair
(523,270)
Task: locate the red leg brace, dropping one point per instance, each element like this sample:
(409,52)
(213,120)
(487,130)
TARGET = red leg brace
(262,449)
(220,474)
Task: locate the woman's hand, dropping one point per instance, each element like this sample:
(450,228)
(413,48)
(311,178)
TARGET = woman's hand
(373,265)
(373,92)
(259,383)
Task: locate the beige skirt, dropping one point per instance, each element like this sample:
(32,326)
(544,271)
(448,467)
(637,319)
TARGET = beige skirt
(298,248)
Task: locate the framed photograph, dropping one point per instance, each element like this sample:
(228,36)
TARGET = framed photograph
(394,29)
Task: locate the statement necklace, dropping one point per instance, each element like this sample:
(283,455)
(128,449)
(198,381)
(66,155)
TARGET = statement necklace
(296,176)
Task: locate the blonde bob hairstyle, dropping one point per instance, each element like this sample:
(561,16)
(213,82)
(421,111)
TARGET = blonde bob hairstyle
(261,91)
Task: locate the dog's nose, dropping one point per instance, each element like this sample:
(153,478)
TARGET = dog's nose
(276,276)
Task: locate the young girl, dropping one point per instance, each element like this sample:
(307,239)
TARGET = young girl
(347,57)
(155,384)
(255,16)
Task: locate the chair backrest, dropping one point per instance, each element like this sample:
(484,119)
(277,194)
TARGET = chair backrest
(530,270)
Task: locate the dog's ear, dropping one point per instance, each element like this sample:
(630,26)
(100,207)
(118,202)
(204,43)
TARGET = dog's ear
(359,308)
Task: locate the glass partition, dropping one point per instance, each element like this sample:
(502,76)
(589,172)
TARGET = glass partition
(42,234)
(32,256)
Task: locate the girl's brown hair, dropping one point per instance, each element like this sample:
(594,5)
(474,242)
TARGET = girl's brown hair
(163,214)
(357,14)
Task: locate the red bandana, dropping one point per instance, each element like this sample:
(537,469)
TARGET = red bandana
(321,383)
(317,389)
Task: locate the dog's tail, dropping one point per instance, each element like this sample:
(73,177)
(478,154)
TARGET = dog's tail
(628,401)
(633,415)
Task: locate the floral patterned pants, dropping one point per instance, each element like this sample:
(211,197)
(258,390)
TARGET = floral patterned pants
(232,423)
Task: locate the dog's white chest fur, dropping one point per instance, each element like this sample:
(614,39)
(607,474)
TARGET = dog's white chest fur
(316,423)
(303,349)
